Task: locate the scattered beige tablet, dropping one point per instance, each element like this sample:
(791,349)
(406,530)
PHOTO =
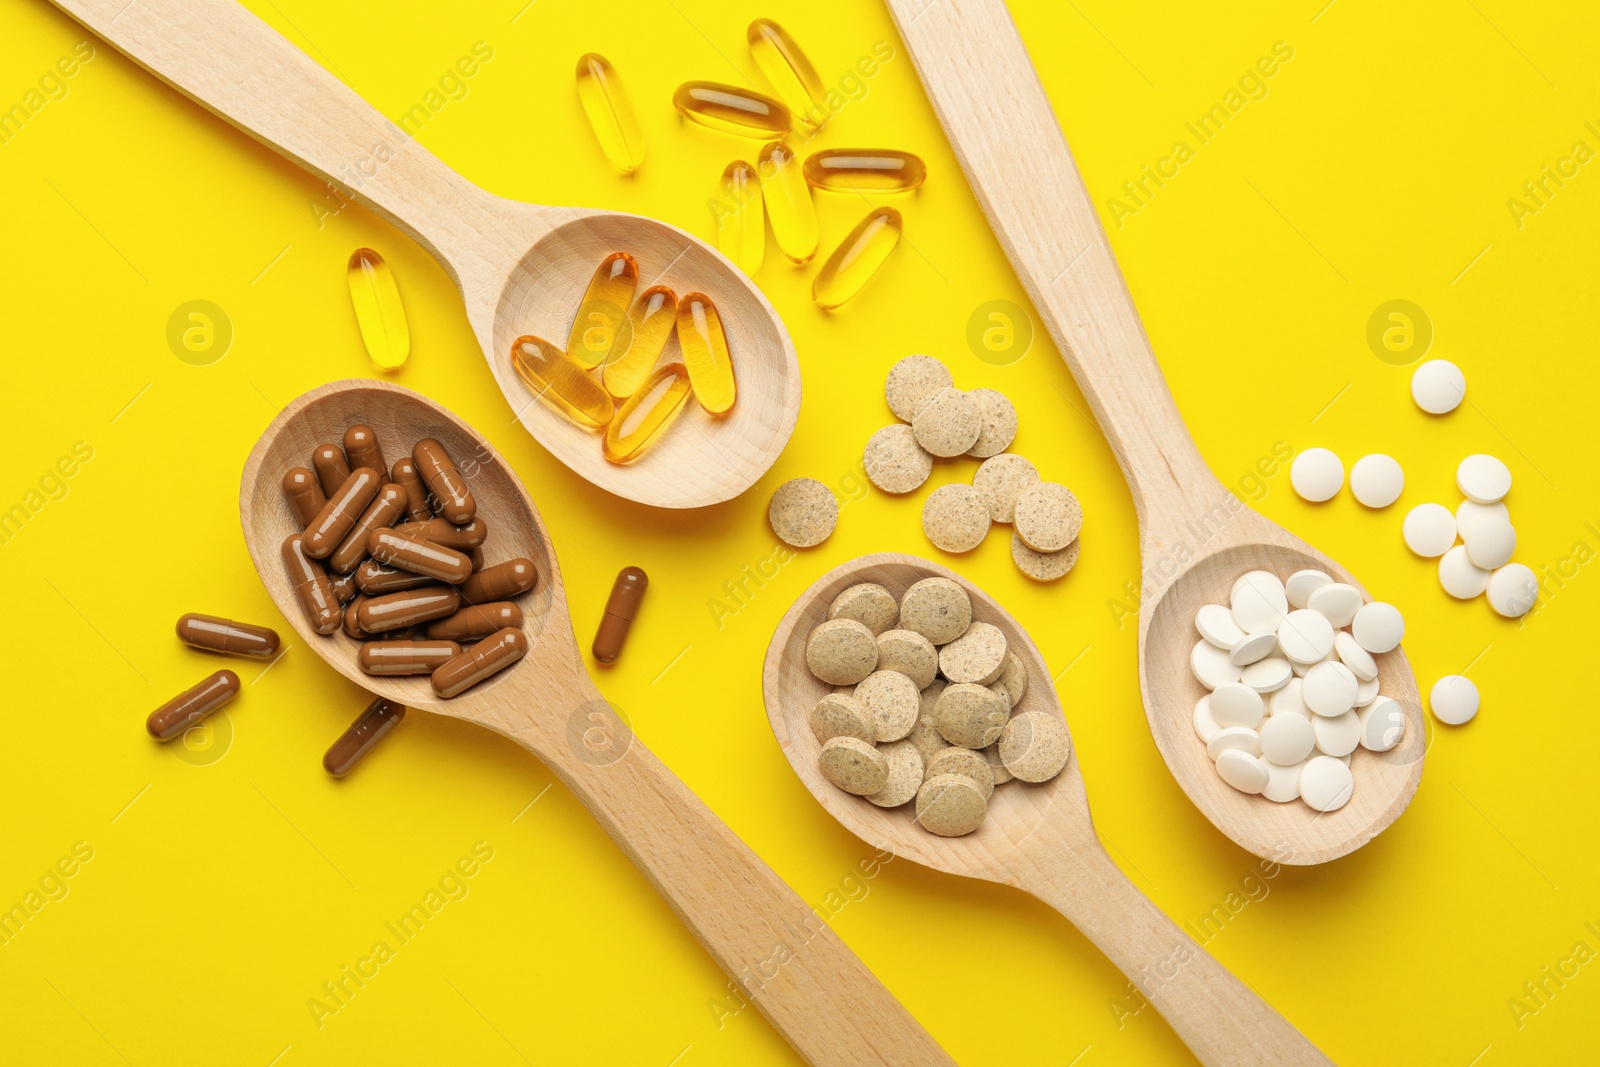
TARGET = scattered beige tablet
(842,715)
(893,701)
(853,765)
(911,382)
(971,716)
(870,604)
(950,805)
(1000,480)
(893,460)
(955,518)
(1035,745)
(841,652)
(948,424)
(905,775)
(963,761)
(997,423)
(803,512)
(1048,517)
(909,653)
(1042,566)
(936,608)
(978,655)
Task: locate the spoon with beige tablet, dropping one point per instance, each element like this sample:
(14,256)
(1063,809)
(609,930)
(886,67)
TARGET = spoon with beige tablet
(521,268)
(1195,536)
(1037,837)
(818,995)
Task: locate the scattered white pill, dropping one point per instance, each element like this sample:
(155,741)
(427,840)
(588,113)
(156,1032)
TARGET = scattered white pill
(1268,675)
(1326,783)
(1454,699)
(1469,512)
(1378,627)
(1490,543)
(1376,480)
(1337,602)
(1259,602)
(1460,577)
(1204,725)
(1483,479)
(1302,584)
(1283,783)
(1234,737)
(1216,625)
(1252,647)
(1383,724)
(1244,772)
(1513,590)
(1306,636)
(1429,530)
(1352,655)
(1211,665)
(1337,735)
(1236,704)
(1438,386)
(1366,692)
(1316,474)
(1329,689)
(1289,701)
(1287,739)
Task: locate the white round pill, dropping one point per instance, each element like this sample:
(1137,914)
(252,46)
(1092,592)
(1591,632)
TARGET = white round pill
(1483,479)
(1338,735)
(1259,602)
(1244,772)
(1287,739)
(1268,675)
(1216,625)
(1460,577)
(1234,737)
(1326,783)
(1383,724)
(1454,699)
(1438,386)
(1352,655)
(1283,783)
(1470,512)
(1236,704)
(1366,692)
(1490,543)
(1302,584)
(1377,480)
(1337,602)
(1316,475)
(1378,627)
(1300,669)
(1289,701)
(1204,725)
(1329,689)
(1252,647)
(1429,530)
(1211,665)
(1513,590)
(1306,636)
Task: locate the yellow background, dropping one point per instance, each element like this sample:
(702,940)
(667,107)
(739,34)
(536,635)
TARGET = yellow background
(221,896)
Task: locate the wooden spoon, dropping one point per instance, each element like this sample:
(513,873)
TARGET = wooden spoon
(521,268)
(1038,838)
(785,959)
(1195,536)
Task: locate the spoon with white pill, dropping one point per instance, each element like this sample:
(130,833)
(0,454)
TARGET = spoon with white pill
(521,268)
(1195,536)
(1038,838)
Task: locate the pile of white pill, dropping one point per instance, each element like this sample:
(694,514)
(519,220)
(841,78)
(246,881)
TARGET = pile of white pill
(1474,543)
(1293,685)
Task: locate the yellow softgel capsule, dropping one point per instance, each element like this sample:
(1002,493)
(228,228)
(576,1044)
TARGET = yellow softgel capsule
(788,200)
(603,310)
(561,383)
(741,220)
(379,313)
(705,353)
(731,109)
(857,258)
(645,415)
(848,170)
(610,112)
(649,326)
(789,71)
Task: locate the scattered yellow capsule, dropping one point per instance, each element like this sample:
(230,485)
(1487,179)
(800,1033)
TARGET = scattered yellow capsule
(561,383)
(731,109)
(882,170)
(857,258)
(789,71)
(705,352)
(610,112)
(649,326)
(741,221)
(788,199)
(379,313)
(643,417)
(603,310)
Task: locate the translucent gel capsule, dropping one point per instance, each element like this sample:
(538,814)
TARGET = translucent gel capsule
(857,258)
(788,200)
(883,170)
(610,112)
(645,415)
(603,310)
(561,383)
(379,313)
(741,220)
(731,109)
(648,327)
(789,71)
(705,353)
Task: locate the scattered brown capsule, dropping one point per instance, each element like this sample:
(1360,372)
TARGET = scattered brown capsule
(383,658)
(386,507)
(472,623)
(310,583)
(419,557)
(438,472)
(381,716)
(192,705)
(395,610)
(305,494)
(361,449)
(500,582)
(487,657)
(626,593)
(331,467)
(404,475)
(345,505)
(376,579)
(224,635)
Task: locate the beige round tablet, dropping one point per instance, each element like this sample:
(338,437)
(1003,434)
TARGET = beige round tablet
(803,512)
(979,655)
(971,716)
(997,423)
(1048,517)
(905,775)
(955,518)
(965,762)
(894,461)
(1042,566)
(1036,745)
(893,701)
(925,734)
(853,765)
(871,605)
(936,608)
(841,652)
(912,382)
(950,805)
(948,424)
(996,767)
(842,715)
(1000,480)
(1013,678)
(909,653)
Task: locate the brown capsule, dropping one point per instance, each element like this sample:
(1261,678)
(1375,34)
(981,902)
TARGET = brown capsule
(395,610)
(500,582)
(305,494)
(331,467)
(381,716)
(344,587)
(419,557)
(478,621)
(361,449)
(438,472)
(386,507)
(382,658)
(626,593)
(310,583)
(352,617)
(475,554)
(375,579)
(404,475)
(345,505)
(489,656)
(224,635)
(444,532)
(192,705)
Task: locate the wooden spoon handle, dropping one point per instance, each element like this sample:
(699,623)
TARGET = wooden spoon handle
(994,111)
